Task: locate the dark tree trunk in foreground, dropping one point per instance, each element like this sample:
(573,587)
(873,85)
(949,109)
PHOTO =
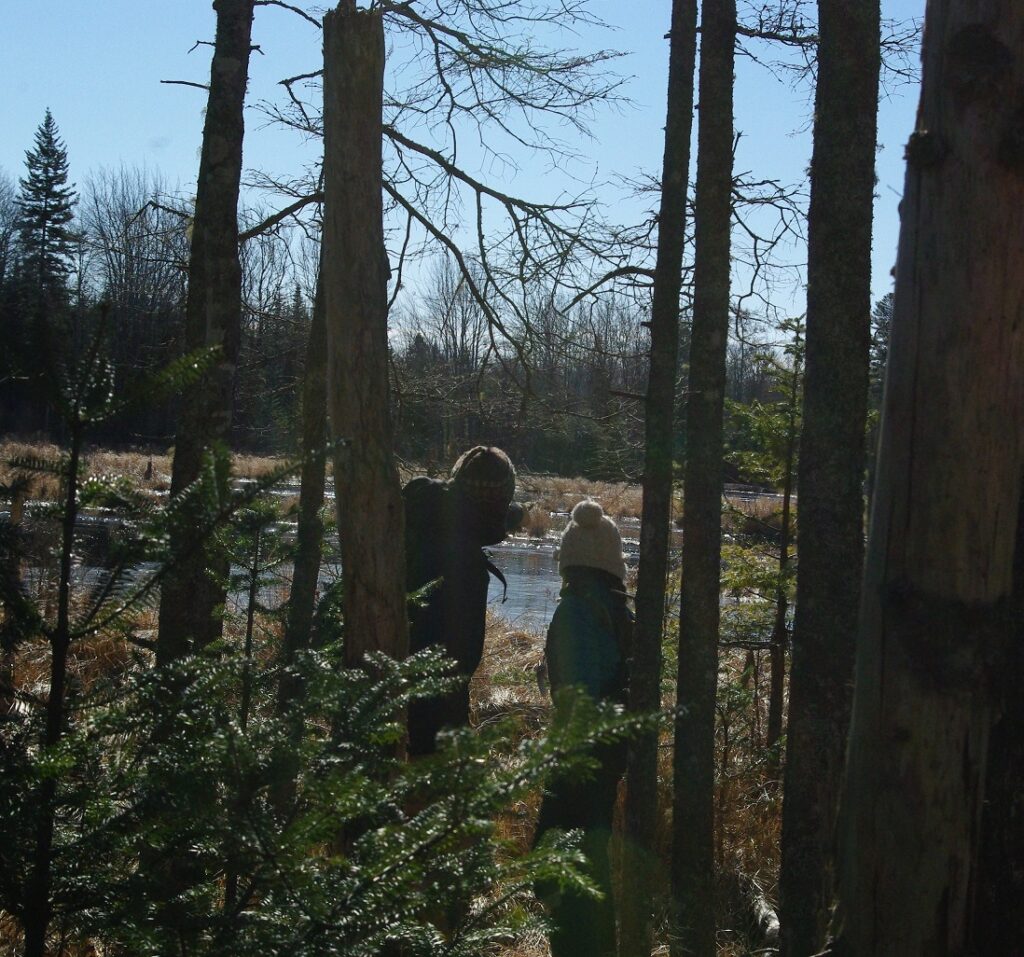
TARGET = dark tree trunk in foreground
(997,922)
(693,854)
(831,469)
(190,597)
(645,675)
(355,276)
(310,529)
(938,635)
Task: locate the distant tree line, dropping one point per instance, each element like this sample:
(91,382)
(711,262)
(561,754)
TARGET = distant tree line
(118,248)
(567,400)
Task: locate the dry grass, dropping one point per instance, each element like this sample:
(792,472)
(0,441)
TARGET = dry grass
(557,494)
(761,516)
(505,684)
(544,493)
(131,464)
(537,521)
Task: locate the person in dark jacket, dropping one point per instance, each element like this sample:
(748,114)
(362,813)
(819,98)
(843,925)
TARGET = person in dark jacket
(447,525)
(588,647)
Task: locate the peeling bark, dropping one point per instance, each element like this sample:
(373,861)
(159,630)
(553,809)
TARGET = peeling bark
(355,275)
(938,626)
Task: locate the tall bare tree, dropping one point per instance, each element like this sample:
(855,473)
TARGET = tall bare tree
(939,627)
(645,674)
(190,595)
(355,278)
(475,69)
(693,859)
(831,469)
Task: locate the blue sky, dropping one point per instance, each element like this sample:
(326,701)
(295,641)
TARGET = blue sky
(98,65)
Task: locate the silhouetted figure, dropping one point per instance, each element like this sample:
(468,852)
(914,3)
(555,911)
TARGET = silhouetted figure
(447,524)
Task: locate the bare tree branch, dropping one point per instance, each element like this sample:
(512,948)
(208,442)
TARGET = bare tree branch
(198,86)
(287,6)
(271,221)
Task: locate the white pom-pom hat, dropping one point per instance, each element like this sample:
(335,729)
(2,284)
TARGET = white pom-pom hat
(591,540)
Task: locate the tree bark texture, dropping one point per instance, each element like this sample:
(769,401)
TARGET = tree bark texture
(310,528)
(693,856)
(997,921)
(355,276)
(831,469)
(636,930)
(190,597)
(937,633)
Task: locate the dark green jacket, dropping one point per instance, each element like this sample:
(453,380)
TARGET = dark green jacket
(590,635)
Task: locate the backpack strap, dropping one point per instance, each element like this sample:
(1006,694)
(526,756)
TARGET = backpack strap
(496,572)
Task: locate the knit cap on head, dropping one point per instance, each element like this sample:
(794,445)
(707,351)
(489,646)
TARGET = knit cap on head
(485,474)
(591,539)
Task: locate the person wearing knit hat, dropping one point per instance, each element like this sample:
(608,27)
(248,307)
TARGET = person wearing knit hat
(591,540)
(588,647)
(447,525)
(483,481)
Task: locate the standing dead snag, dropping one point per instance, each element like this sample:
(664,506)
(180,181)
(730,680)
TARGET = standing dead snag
(355,276)
(938,634)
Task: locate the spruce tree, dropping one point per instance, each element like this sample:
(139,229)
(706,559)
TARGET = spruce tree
(45,209)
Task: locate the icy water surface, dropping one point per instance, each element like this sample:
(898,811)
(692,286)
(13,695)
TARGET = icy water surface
(533,584)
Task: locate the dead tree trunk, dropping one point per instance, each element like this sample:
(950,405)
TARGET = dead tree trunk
(831,469)
(645,676)
(937,633)
(190,596)
(693,854)
(355,276)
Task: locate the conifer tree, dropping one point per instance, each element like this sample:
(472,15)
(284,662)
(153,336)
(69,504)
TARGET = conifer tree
(45,209)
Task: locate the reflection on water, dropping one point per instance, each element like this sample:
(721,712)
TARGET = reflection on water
(533,585)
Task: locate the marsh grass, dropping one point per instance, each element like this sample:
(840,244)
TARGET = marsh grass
(756,518)
(134,465)
(542,493)
(558,494)
(537,521)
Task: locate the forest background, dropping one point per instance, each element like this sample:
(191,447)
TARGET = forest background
(132,139)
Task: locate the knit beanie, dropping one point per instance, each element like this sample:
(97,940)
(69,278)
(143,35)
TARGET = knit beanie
(591,539)
(485,475)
